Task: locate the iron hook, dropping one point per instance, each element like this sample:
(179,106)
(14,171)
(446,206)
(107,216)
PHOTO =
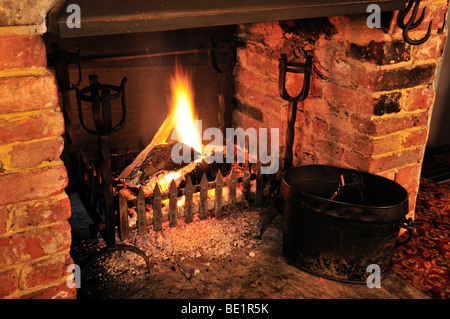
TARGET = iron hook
(411,24)
(403,13)
(212,59)
(75,86)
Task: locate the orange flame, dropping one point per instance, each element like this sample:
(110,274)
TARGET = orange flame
(183,104)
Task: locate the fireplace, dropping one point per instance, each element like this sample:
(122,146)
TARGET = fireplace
(368,106)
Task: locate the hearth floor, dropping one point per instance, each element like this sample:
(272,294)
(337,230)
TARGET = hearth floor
(253,268)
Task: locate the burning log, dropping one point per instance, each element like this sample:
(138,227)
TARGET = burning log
(157,159)
(160,137)
(158,167)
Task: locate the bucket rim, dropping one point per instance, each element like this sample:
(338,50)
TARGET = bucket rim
(385,207)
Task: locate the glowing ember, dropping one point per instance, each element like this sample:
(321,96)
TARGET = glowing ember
(169,177)
(182,102)
(163,182)
(180,202)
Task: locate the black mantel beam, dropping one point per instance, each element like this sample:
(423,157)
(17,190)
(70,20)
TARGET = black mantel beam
(102,17)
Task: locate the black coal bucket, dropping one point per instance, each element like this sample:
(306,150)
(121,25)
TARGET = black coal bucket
(339,221)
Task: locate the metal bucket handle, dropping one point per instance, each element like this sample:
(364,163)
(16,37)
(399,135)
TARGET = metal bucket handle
(409,226)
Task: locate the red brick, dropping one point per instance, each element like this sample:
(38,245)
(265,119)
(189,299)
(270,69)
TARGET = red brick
(244,121)
(29,155)
(340,135)
(44,124)
(363,124)
(22,52)
(263,84)
(366,145)
(433,48)
(409,174)
(320,127)
(381,53)
(55,238)
(416,138)
(398,159)
(359,100)
(317,107)
(316,86)
(10,283)
(419,99)
(253,97)
(412,189)
(4,217)
(387,125)
(387,104)
(388,174)
(261,64)
(13,249)
(241,91)
(28,93)
(401,77)
(44,271)
(357,161)
(329,149)
(35,243)
(252,111)
(42,212)
(54,292)
(269,33)
(36,184)
(351,74)
(386,144)
(354,27)
(363,144)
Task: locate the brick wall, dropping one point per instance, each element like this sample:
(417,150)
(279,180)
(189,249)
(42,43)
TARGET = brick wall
(35,235)
(371,94)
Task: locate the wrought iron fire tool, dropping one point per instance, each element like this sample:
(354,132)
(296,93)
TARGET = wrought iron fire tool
(100,97)
(222,73)
(60,60)
(411,24)
(292,67)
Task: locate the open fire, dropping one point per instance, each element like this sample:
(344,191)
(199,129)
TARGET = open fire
(157,189)
(183,110)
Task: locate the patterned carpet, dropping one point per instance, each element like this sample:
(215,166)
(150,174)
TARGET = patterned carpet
(425,260)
